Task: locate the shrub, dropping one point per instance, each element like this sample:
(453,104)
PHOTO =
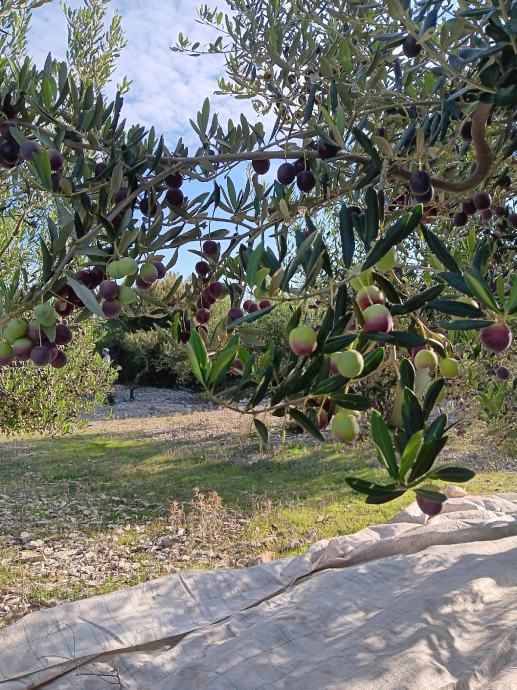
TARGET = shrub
(43,400)
(157,360)
(146,355)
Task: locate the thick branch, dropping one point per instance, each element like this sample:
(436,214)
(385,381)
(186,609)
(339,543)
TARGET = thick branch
(484,157)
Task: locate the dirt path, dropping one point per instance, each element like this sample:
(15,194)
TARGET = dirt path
(176,415)
(182,415)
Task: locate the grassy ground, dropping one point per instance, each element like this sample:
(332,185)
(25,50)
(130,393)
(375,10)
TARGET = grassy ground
(129,500)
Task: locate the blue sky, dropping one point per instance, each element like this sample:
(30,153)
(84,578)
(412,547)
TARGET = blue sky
(168,88)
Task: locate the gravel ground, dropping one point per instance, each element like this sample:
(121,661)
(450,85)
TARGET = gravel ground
(151,402)
(180,415)
(470,442)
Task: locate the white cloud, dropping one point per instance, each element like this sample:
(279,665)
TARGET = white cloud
(168,88)
(48,32)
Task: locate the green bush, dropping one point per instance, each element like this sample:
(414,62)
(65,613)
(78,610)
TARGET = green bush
(157,360)
(147,356)
(142,354)
(36,400)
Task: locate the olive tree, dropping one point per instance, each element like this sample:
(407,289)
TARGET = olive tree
(51,400)
(398,120)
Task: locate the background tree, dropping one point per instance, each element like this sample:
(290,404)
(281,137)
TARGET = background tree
(92,53)
(93,50)
(17,224)
(26,405)
(404,116)
(141,345)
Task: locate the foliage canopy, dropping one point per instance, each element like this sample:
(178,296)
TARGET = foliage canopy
(399,120)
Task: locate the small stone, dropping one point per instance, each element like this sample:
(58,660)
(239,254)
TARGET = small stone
(164,542)
(29,556)
(454,492)
(35,544)
(25,537)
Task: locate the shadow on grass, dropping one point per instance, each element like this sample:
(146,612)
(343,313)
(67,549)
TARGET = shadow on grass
(170,470)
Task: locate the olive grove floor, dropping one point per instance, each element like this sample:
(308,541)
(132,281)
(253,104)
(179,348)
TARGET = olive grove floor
(168,483)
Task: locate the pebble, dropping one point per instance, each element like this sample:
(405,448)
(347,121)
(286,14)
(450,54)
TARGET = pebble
(34,544)
(25,537)
(29,556)
(164,542)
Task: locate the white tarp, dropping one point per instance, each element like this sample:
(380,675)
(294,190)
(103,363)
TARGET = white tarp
(405,605)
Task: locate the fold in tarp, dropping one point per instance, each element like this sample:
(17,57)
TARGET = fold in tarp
(406,605)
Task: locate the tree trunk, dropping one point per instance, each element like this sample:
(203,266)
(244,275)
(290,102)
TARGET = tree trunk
(136,382)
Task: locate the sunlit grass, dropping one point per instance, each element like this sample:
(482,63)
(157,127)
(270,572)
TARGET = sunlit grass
(292,497)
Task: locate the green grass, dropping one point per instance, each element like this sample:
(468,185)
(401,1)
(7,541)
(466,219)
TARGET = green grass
(291,498)
(301,483)
(135,467)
